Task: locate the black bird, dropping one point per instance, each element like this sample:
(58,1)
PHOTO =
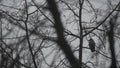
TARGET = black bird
(91,45)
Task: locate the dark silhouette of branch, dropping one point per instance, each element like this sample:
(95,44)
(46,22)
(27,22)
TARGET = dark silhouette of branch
(81,32)
(61,40)
(27,36)
(111,41)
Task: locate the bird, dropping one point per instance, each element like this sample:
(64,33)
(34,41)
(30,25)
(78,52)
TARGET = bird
(91,45)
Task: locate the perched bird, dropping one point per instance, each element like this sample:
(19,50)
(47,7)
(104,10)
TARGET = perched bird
(91,45)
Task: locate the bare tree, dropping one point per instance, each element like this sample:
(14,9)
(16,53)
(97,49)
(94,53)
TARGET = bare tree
(57,33)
